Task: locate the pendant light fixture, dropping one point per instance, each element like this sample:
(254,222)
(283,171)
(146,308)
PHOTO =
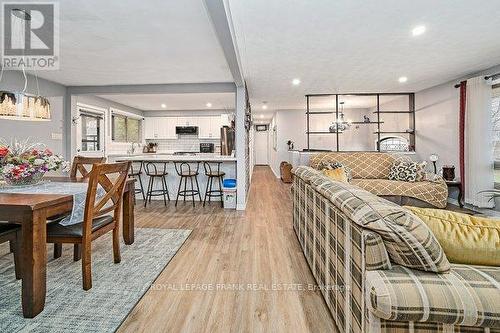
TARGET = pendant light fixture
(16,105)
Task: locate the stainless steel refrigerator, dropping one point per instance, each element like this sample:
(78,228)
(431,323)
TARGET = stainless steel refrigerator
(226,140)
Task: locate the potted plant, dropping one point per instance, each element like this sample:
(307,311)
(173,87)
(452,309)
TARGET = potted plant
(25,163)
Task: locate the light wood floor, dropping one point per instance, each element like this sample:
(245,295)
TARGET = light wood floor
(257,247)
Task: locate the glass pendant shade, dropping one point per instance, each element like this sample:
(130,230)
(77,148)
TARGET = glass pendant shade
(23,106)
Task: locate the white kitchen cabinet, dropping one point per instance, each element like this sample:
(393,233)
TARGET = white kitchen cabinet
(209,127)
(215,125)
(169,127)
(187,121)
(160,128)
(164,127)
(150,128)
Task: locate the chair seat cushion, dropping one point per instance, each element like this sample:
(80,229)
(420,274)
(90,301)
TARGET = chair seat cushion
(466,296)
(434,193)
(215,174)
(190,174)
(76,230)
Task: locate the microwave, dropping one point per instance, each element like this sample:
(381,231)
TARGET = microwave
(186,130)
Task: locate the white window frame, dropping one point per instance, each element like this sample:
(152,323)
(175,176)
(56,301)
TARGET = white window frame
(92,110)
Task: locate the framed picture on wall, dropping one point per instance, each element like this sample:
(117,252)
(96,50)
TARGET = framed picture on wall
(261,128)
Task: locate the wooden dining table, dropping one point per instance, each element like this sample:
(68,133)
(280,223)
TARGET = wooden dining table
(31,211)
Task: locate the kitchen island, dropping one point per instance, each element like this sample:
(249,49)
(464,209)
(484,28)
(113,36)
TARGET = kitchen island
(228,166)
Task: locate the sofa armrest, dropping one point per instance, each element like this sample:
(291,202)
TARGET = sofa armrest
(339,253)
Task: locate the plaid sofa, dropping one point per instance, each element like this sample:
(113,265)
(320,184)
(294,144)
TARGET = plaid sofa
(366,292)
(370,171)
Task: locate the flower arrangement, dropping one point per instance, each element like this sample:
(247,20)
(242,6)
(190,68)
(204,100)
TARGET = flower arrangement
(25,163)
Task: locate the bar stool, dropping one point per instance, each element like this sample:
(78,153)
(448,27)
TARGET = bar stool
(154,171)
(136,172)
(185,171)
(211,174)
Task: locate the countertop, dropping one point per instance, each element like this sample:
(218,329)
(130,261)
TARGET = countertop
(163,157)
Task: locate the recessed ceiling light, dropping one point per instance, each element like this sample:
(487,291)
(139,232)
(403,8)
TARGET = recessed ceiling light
(403,79)
(209,105)
(418,30)
(262,116)
(296,82)
(264,107)
(164,106)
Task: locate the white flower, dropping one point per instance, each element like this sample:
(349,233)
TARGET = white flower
(38,161)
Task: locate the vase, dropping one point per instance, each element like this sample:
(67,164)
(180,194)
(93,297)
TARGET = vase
(31,180)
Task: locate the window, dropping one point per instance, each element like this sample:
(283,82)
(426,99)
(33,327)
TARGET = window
(91,131)
(394,143)
(495,114)
(125,129)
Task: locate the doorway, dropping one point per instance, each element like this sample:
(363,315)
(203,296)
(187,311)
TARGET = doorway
(261,147)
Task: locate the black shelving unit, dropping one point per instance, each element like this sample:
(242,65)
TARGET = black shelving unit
(379,112)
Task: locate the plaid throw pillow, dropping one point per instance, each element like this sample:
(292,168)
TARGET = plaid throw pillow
(407,171)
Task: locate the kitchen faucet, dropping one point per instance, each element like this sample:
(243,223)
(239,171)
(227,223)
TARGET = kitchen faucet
(132,147)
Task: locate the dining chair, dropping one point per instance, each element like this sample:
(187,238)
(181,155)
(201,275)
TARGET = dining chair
(97,220)
(79,166)
(12,233)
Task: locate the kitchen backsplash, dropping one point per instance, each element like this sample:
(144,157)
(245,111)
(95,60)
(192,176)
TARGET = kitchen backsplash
(185,143)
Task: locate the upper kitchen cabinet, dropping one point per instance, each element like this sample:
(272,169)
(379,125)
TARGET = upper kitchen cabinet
(209,127)
(160,128)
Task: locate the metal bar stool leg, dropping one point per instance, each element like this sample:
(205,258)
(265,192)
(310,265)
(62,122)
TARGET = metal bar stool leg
(178,192)
(206,192)
(162,181)
(142,187)
(197,187)
(166,188)
(221,179)
(192,189)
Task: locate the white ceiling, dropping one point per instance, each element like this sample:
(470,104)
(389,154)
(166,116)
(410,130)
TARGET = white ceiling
(360,46)
(137,42)
(149,102)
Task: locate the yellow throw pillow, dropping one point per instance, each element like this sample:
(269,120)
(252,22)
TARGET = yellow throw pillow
(465,239)
(337,174)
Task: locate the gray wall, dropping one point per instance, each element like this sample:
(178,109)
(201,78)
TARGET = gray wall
(38,131)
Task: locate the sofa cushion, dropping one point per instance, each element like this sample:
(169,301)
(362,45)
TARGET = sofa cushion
(366,165)
(407,239)
(468,295)
(465,239)
(434,193)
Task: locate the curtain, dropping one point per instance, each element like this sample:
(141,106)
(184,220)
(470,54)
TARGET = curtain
(461,131)
(478,143)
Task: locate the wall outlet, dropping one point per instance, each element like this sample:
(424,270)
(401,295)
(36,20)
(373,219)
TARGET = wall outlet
(56,136)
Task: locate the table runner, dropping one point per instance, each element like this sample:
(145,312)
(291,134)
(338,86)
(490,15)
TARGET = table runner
(77,190)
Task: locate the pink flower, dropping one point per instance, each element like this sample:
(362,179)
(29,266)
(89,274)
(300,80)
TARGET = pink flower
(3,151)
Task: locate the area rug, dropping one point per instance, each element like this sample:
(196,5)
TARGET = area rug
(116,287)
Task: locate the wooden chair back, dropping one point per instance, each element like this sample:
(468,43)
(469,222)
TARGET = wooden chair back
(112,178)
(80,164)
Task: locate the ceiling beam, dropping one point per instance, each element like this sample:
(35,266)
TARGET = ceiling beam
(220,16)
(170,88)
